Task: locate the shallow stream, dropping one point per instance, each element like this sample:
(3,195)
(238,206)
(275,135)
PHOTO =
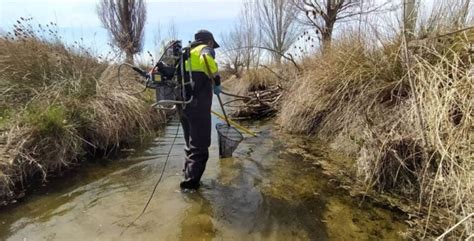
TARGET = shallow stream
(262,193)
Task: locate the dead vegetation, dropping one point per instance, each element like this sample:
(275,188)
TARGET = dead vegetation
(259,104)
(400,105)
(258,93)
(409,120)
(59,103)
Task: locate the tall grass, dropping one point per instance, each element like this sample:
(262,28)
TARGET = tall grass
(408,116)
(36,62)
(260,78)
(58,103)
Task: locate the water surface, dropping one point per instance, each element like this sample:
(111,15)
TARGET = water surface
(262,193)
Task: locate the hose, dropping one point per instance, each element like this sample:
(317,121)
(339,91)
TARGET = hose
(157,182)
(120,82)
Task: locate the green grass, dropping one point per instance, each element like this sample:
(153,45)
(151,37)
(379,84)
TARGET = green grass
(5,115)
(53,119)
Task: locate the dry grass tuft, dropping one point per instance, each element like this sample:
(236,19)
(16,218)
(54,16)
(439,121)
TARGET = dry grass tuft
(349,73)
(118,116)
(255,79)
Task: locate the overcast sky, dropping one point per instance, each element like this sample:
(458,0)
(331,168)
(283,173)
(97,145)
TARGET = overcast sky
(78,18)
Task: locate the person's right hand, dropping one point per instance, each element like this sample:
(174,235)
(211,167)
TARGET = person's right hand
(217,79)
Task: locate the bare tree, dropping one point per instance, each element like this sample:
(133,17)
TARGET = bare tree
(251,36)
(157,40)
(173,31)
(277,21)
(241,42)
(125,22)
(234,50)
(323,14)
(160,41)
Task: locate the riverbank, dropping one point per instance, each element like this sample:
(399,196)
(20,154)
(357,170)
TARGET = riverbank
(402,116)
(406,122)
(60,105)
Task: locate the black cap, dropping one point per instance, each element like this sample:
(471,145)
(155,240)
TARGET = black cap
(204,35)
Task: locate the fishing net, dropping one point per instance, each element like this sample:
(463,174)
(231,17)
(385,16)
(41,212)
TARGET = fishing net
(229,138)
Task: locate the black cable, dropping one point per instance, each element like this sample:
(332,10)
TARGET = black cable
(166,49)
(156,184)
(120,82)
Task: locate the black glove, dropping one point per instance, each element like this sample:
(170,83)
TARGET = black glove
(217,80)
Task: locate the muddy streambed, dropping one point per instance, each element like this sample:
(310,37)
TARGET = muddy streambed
(262,193)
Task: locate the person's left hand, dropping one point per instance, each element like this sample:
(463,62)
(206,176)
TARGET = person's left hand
(217,89)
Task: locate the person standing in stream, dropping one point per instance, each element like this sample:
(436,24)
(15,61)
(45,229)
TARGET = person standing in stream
(196,117)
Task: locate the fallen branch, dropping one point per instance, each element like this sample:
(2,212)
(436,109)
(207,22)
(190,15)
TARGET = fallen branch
(258,104)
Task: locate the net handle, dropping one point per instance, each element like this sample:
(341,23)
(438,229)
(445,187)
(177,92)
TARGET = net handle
(223,110)
(218,96)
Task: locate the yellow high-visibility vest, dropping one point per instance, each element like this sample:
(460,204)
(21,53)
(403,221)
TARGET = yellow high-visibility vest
(198,64)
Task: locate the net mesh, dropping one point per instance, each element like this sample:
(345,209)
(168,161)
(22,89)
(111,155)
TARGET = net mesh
(229,138)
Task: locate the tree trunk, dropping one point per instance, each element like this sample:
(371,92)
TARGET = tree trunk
(277,59)
(409,18)
(329,26)
(129,57)
(326,41)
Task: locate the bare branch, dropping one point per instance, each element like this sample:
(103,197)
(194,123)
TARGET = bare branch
(289,58)
(323,14)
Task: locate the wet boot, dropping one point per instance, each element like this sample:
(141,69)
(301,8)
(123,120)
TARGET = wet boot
(189,184)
